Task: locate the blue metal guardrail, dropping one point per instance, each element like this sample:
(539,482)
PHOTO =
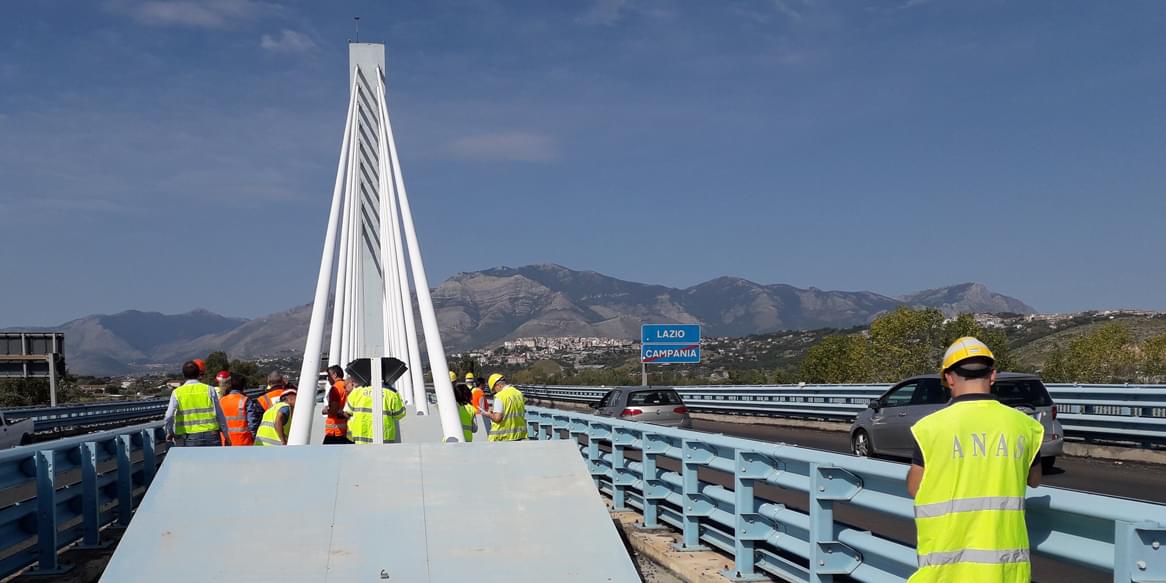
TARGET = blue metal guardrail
(765,537)
(47,419)
(1129,413)
(65,491)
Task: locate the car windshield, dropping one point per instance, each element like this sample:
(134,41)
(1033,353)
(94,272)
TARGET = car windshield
(650,398)
(1022,392)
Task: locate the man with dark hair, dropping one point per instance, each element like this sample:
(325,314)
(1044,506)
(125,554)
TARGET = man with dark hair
(194,417)
(243,413)
(335,422)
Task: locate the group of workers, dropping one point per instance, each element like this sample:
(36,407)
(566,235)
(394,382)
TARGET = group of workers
(200,415)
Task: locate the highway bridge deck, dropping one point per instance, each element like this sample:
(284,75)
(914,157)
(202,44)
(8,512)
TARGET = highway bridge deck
(404,512)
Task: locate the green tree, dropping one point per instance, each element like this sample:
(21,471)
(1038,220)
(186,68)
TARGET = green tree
(215,361)
(1106,355)
(249,370)
(1056,367)
(1154,358)
(837,359)
(906,342)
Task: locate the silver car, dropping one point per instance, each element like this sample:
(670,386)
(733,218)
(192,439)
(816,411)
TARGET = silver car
(649,405)
(884,429)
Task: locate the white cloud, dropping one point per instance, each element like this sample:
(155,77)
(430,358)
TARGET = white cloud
(192,13)
(784,7)
(288,41)
(605,12)
(512,146)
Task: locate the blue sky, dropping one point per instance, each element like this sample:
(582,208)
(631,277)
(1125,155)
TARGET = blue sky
(167,155)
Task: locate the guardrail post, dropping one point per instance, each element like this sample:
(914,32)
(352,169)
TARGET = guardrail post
(46,516)
(1137,552)
(593,453)
(750,526)
(621,477)
(828,557)
(651,446)
(90,497)
(149,457)
(125,482)
(696,505)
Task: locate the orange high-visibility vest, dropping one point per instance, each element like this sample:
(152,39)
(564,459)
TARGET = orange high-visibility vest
(270,397)
(336,424)
(235,410)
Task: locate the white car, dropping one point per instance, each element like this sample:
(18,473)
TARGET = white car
(15,433)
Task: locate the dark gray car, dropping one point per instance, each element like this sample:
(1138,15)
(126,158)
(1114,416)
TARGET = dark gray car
(658,406)
(884,429)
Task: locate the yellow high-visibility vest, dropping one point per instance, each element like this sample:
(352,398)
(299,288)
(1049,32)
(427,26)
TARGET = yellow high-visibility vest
(512,427)
(196,410)
(969,510)
(466,414)
(268,434)
(360,424)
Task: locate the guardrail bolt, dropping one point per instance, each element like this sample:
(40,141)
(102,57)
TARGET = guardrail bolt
(1155,545)
(1141,565)
(821,563)
(821,488)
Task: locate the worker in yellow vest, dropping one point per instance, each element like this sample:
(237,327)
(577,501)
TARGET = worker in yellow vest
(509,412)
(466,412)
(972,461)
(276,424)
(194,417)
(358,409)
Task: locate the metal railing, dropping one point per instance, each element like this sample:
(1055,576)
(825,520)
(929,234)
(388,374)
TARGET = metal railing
(47,419)
(65,491)
(800,540)
(1126,413)
(90,414)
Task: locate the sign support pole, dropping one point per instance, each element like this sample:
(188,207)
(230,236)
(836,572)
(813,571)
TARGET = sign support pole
(643,374)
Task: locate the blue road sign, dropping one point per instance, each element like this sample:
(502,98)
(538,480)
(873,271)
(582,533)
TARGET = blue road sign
(670,333)
(670,353)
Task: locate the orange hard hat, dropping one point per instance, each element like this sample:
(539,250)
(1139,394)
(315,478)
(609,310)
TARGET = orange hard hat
(201,364)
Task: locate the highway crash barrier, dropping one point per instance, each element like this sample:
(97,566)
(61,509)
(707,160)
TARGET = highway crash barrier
(65,491)
(1114,413)
(799,539)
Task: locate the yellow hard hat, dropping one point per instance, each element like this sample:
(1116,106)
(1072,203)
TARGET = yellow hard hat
(452,377)
(963,349)
(494,378)
(470,376)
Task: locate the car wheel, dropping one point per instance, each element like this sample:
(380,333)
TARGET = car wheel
(860,444)
(1047,464)
(25,439)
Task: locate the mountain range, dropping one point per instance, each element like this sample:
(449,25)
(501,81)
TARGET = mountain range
(486,307)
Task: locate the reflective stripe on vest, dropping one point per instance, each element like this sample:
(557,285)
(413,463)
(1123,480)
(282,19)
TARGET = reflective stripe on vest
(336,424)
(512,427)
(1000,557)
(268,434)
(237,430)
(196,410)
(969,510)
(360,402)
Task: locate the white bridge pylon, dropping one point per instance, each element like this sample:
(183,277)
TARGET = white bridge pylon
(363,267)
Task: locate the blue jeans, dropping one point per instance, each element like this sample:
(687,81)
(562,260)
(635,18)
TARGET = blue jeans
(201,439)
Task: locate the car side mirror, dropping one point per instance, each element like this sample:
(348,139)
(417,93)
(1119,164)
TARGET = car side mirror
(875,405)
